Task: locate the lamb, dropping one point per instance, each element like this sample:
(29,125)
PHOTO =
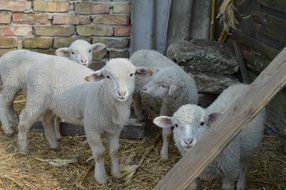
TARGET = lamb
(61,89)
(169,83)
(17,63)
(191,121)
(80,51)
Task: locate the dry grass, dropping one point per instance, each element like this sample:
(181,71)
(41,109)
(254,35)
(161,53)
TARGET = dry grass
(144,169)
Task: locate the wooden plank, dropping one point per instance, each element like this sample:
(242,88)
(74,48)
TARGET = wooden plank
(266,85)
(271,26)
(279,5)
(254,45)
(241,63)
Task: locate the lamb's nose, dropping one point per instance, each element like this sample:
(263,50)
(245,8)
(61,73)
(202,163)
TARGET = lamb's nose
(122,93)
(144,88)
(188,141)
(84,61)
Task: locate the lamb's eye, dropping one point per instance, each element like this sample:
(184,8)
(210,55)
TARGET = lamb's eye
(176,125)
(107,76)
(202,123)
(131,74)
(163,85)
(73,52)
(89,51)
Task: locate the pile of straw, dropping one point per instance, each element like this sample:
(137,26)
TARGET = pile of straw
(71,166)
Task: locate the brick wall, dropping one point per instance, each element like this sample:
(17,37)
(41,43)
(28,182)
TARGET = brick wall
(45,25)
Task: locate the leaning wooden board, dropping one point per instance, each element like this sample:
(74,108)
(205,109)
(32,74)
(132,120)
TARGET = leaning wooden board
(261,91)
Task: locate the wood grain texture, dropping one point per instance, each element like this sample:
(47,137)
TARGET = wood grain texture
(279,5)
(254,44)
(237,116)
(271,26)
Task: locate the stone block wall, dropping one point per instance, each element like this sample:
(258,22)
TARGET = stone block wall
(45,25)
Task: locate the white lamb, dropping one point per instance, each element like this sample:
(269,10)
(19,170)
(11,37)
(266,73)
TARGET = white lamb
(60,88)
(80,51)
(14,68)
(191,121)
(171,84)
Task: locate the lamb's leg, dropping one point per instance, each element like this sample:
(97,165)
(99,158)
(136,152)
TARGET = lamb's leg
(166,134)
(227,183)
(48,119)
(137,102)
(57,127)
(8,97)
(95,143)
(113,150)
(241,179)
(8,114)
(28,116)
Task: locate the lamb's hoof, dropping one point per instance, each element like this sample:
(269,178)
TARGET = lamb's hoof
(56,149)
(9,133)
(116,174)
(101,180)
(164,156)
(24,152)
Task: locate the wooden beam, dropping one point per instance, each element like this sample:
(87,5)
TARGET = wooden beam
(237,116)
(254,44)
(241,63)
(279,5)
(270,26)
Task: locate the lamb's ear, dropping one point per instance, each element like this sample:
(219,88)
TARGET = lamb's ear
(143,71)
(96,76)
(98,46)
(163,121)
(172,89)
(213,117)
(64,52)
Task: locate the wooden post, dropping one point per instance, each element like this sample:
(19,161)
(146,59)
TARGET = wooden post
(260,92)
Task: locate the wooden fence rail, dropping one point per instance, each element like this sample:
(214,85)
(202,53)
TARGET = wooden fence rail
(261,91)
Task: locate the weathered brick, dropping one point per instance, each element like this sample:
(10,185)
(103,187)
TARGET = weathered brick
(30,18)
(92,8)
(111,19)
(15,5)
(96,65)
(51,6)
(89,30)
(3,51)
(8,42)
(16,30)
(68,19)
(122,30)
(66,42)
(54,30)
(99,55)
(114,42)
(121,7)
(118,53)
(5,17)
(37,42)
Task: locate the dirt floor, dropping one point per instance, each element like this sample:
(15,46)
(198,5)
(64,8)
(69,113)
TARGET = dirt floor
(140,160)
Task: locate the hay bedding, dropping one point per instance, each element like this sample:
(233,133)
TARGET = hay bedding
(140,159)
